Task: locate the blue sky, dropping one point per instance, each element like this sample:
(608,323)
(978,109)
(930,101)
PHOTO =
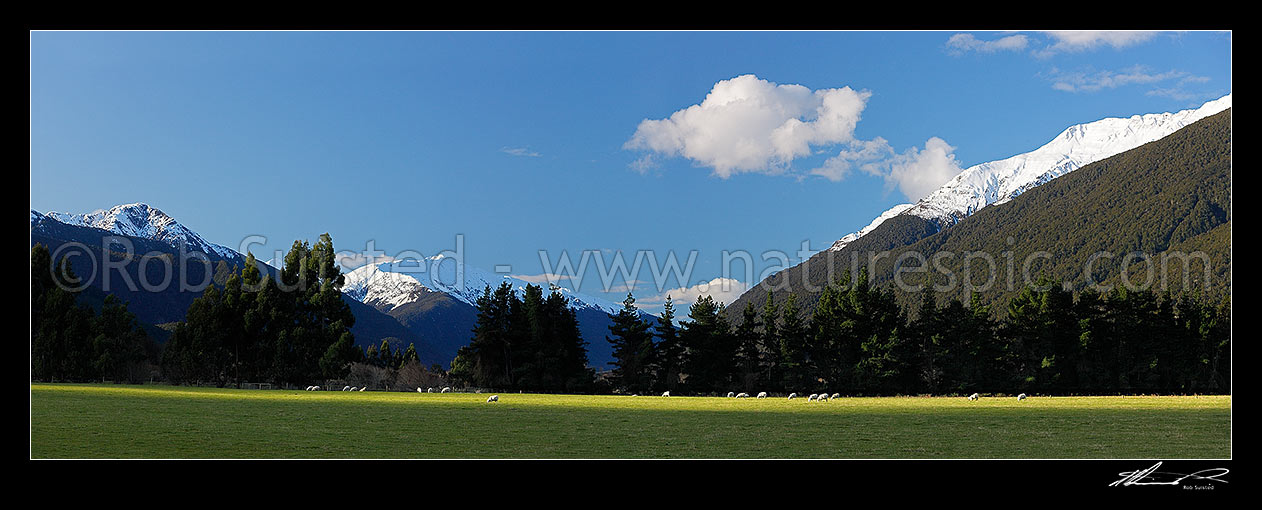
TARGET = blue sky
(527,141)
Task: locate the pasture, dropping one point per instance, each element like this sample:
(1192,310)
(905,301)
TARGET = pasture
(152,421)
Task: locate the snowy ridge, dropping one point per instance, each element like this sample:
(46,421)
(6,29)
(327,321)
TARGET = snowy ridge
(892,212)
(997,182)
(388,285)
(141,220)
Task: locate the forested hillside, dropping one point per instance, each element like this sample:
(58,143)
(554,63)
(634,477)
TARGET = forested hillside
(1169,199)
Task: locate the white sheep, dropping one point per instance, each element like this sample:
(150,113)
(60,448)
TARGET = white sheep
(730,394)
(446,389)
(493,398)
(308,388)
(346,388)
(742,395)
(1021,397)
(315,388)
(419,390)
(791,395)
(665,393)
(762,394)
(813,396)
(364,388)
(834,395)
(973,397)
(429,389)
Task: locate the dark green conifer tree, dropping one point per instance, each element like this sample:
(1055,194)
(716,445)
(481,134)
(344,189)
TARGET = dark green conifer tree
(633,349)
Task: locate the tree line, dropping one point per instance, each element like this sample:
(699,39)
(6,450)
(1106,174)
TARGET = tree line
(71,341)
(859,341)
(527,343)
(294,328)
(290,328)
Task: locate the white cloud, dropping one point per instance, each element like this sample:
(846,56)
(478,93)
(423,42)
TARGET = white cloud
(520,151)
(724,290)
(861,153)
(542,278)
(918,172)
(1082,40)
(644,164)
(959,44)
(1080,81)
(349,260)
(747,124)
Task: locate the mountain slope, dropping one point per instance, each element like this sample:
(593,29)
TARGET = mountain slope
(996,182)
(1168,194)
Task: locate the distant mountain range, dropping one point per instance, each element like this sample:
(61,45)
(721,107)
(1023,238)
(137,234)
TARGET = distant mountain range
(391,300)
(437,297)
(1147,190)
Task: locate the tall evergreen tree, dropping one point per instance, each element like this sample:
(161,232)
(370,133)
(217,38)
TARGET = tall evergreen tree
(61,329)
(769,343)
(120,343)
(794,332)
(749,353)
(633,348)
(709,351)
(670,353)
(490,345)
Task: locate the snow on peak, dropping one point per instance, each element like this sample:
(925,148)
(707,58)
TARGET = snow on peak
(996,182)
(388,285)
(141,220)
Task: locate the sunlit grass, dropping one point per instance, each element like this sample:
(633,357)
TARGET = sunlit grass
(110,421)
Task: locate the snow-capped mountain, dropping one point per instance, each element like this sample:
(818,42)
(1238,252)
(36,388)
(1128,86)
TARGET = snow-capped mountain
(141,220)
(997,182)
(388,285)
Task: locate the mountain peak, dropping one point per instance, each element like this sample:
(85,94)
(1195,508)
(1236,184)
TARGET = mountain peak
(141,220)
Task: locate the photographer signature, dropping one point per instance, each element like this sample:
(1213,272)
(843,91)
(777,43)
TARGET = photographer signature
(1151,476)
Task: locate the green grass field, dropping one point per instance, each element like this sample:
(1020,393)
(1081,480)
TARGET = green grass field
(112,421)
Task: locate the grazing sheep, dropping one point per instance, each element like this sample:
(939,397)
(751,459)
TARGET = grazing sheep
(346,388)
(665,393)
(315,388)
(1021,397)
(973,397)
(308,388)
(364,388)
(730,394)
(419,390)
(493,398)
(834,395)
(762,394)
(742,395)
(812,397)
(446,389)
(791,395)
